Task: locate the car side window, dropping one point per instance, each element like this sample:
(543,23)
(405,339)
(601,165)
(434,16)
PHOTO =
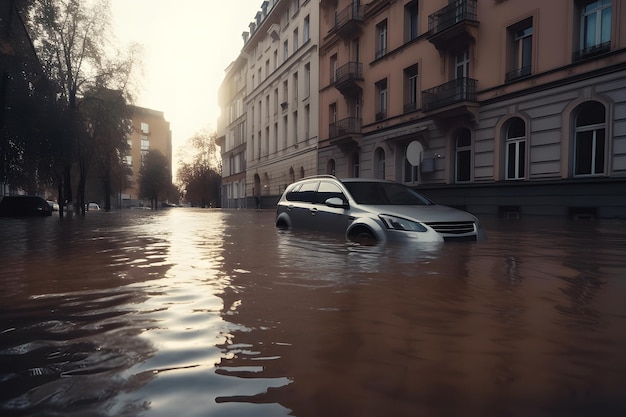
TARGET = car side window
(328,190)
(292,195)
(307,192)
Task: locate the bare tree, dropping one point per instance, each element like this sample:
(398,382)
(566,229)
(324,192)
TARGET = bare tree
(200,168)
(71,38)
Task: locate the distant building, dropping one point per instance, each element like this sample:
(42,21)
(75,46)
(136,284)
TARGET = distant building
(278,138)
(232,134)
(150,132)
(512,107)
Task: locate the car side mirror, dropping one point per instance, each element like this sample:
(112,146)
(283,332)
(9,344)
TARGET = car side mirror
(336,202)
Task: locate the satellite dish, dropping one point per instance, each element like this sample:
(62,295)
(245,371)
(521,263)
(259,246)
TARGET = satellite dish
(414,153)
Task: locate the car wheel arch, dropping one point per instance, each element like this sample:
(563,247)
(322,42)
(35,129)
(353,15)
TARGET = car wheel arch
(283,221)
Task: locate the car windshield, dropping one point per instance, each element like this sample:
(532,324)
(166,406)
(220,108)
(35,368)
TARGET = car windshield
(383,193)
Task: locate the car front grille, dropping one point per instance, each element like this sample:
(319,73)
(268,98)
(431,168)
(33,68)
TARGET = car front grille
(453,228)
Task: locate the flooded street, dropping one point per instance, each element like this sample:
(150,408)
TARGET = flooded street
(191,312)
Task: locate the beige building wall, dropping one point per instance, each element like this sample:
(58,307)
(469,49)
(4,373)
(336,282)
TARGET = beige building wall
(150,132)
(231,134)
(281,49)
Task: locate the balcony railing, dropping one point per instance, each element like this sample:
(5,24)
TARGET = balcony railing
(351,15)
(455,91)
(518,73)
(592,51)
(347,126)
(451,15)
(409,107)
(351,71)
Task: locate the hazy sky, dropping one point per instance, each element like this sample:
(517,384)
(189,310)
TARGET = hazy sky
(187,46)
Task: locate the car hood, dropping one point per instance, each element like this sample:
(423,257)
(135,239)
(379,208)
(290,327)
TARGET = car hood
(426,214)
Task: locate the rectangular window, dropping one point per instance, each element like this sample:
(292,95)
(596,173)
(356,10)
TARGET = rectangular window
(145,128)
(306,32)
(145,143)
(333,68)
(590,152)
(285,92)
(516,156)
(410,21)
(285,131)
(295,127)
(307,80)
(381,105)
(410,89)
(295,39)
(307,122)
(520,50)
(595,28)
(381,39)
(285,50)
(295,87)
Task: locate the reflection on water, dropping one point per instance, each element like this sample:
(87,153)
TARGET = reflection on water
(216,313)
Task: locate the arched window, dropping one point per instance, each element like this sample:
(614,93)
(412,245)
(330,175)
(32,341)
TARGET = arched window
(379,163)
(330,167)
(463,157)
(515,149)
(590,139)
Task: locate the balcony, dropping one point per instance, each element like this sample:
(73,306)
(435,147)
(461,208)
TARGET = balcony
(455,23)
(454,98)
(346,78)
(517,74)
(348,21)
(591,52)
(345,132)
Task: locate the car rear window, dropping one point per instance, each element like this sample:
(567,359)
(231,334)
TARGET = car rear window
(382,193)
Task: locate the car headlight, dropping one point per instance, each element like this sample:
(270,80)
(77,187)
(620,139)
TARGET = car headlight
(398,223)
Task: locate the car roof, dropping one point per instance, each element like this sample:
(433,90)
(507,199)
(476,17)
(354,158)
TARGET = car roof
(348,179)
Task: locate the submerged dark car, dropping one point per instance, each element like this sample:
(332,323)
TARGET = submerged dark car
(24,206)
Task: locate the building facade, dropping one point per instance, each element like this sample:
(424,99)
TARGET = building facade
(506,106)
(150,132)
(231,134)
(280,55)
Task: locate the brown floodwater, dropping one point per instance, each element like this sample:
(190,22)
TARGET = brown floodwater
(192,312)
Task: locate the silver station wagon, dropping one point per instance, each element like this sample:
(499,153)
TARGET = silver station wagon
(369,210)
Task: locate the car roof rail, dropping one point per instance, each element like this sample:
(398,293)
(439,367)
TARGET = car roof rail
(318,176)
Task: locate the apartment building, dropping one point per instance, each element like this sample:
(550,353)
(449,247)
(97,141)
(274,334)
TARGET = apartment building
(150,132)
(511,107)
(279,60)
(231,128)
